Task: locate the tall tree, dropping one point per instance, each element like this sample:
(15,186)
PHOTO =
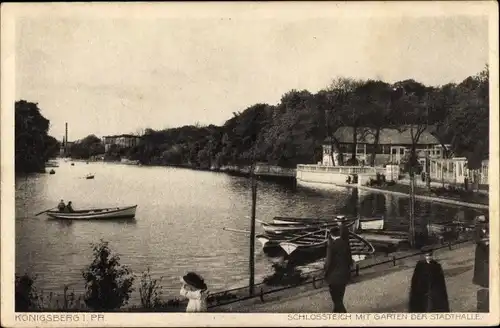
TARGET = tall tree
(373,99)
(30,138)
(348,100)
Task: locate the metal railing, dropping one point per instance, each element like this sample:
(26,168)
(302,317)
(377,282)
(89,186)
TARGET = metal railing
(337,169)
(315,278)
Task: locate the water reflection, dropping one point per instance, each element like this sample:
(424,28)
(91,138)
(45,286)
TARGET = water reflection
(180,219)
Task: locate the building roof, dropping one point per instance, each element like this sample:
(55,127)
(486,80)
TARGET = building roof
(387,136)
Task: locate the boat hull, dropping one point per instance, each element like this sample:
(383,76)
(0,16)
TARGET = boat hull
(96,214)
(371,224)
(301,245)
(280,228)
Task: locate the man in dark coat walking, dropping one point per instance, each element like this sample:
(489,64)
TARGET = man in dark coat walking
(428,287)
(338,264)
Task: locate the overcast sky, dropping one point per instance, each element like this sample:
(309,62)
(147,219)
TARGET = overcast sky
(110,76)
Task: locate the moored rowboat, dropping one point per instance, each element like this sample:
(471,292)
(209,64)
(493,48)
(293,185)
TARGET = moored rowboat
(317,241)
(364,224)
(92,214)
(295,220)
(283,228)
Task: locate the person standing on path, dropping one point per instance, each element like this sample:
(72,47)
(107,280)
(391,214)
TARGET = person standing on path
(337,268)
(428,287)
(481,275)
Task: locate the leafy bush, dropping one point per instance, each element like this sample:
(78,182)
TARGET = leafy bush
(150,291)
(108,284)
(26,297)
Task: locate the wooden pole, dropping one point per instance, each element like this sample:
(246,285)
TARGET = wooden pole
(412,209)
(252,234)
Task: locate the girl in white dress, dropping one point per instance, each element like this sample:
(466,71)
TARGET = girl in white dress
(195,290)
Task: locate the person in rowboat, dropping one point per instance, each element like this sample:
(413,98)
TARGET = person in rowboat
(69,208)
(61,206)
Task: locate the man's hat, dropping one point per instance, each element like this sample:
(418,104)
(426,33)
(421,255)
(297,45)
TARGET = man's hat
(427,250)
(194,280)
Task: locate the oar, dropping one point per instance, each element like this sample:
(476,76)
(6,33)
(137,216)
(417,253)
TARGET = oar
(53,208)
(235,230)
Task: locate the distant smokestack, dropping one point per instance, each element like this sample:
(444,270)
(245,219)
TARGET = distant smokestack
(66,139)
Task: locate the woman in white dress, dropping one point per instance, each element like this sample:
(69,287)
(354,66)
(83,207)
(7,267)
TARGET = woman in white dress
(195,290)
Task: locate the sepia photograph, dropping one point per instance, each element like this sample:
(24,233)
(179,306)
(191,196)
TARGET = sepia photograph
(328,163)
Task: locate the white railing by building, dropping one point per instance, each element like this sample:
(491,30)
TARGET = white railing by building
(339,169)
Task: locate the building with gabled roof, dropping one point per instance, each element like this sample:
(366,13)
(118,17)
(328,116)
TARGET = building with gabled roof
(393,145)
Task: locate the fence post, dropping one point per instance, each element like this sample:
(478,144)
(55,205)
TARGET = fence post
(261,296)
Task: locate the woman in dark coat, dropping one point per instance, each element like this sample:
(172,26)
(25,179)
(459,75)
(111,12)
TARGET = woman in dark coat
(481,259)
(428,287)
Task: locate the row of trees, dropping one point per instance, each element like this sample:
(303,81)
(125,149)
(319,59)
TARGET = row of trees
(87,147)
(294,130)
(33,145)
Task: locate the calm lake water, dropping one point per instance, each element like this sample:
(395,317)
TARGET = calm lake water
(179,222)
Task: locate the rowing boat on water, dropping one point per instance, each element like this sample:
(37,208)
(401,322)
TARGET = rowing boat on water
(292,220)
(98,213)
(284,228)
(317,241)
(295,220)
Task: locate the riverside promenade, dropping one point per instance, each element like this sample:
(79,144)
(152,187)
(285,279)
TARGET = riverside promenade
(385,289)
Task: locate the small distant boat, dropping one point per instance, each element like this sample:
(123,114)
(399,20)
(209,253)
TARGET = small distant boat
(52,172)
(89,176)
(51,164)
(129,162)
(92,214)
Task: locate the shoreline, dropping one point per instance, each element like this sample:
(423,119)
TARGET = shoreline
(240,171)
(397,193)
